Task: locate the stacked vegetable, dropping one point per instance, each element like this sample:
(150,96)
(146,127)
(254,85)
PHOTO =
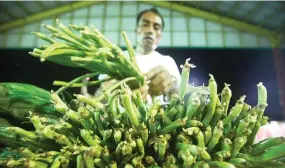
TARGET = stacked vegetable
(196,129)
(81,46)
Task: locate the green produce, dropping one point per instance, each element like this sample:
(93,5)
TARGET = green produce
(126,132)
(17,99)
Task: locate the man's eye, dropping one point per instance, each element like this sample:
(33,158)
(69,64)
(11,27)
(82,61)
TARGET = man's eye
(157,28)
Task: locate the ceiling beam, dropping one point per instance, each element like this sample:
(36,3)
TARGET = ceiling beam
(269,18)
(57,2)
(23,7)
(214,17)
(215,7)
(235,7)
(41,4)
(46,14)
(8,13)
(280,28)
(253,11)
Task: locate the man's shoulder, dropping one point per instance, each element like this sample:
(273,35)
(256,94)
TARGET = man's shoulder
(162,56)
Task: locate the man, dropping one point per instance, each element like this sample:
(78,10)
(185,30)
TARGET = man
(161,72)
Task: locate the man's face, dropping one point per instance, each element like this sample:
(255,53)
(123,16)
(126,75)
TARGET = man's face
(149,31)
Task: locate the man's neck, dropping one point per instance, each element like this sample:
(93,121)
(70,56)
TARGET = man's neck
(143,51)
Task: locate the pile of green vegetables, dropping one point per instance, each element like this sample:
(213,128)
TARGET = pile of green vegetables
(197,128)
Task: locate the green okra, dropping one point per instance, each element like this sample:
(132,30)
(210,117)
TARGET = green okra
(252,136)
(273,153)
(180,112)
(217,133)
(173,126)
(262,94)
(261,146)
(222,155)
(113,164)
(150,160)
(144,133)
(193,104)
(172,102)
(238,143)
(44,37)
(235,111)
(193,123)
(160,146)
(57,162)
(242,127)
(23,133)
(208,135)
(201,164)
(185,77)
(212,102)
(219,164)
(240,162)
(226,144)
(226,97)
(127,103)
(218,114)
(141,106)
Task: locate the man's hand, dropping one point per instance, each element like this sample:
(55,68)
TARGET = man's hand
(161,81)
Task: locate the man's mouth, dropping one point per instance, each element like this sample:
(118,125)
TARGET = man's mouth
(148,38)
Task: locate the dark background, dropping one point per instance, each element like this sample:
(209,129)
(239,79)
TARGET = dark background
(242,68)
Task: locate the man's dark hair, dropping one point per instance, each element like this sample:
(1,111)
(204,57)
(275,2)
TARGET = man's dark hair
(154,10)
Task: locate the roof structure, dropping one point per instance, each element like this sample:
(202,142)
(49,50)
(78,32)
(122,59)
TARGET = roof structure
(264,18)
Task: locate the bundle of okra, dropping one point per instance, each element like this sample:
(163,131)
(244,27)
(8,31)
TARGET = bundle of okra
(196,128)
(86,47)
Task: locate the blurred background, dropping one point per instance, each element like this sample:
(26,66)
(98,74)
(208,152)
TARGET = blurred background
(240,43)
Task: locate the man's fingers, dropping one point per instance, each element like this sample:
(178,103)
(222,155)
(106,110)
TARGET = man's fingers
(159,78)
(154,71)
(144,91)
(162,88)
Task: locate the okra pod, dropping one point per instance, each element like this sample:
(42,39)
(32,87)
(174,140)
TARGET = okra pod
(185,77)
(173,126)
(99,163)
(160,146)
(144,134)
(194,103)
(208,135)
(234,111)
(240,162)
(201,164)
(217,133)
(226,144)
(57,162)
(226,97)
(238,143)
(218,164)
(212,102)
(218,114)
(21,132)
(193,123)
(262,94)
(44,37)
(260,147)
(222,155)
(127,103)
(243,124)
(273,153)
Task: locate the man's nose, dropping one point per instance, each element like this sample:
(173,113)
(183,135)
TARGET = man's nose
(150,30)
